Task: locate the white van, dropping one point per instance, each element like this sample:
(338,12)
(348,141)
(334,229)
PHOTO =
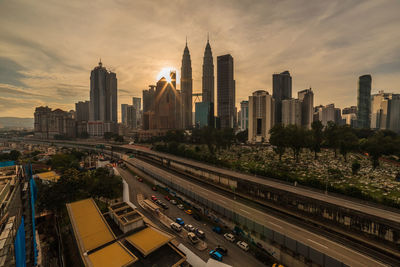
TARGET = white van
(243,245)
(229,237)
(176,227)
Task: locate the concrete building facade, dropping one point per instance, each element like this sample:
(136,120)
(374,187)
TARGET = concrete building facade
(82,109)
(291,112)
(307,107)
(261,116)
(244,115)
(364,101)
(281,90)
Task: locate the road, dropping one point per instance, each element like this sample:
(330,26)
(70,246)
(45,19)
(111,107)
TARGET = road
(235,257)
(337,251)
(356,206)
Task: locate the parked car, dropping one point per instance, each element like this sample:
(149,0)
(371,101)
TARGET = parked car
(154,188)
(176,227)
(229,237)
(158,202)
(200,233)
(196,217)
(190,212)
(173,202)
(217,229)
(215,255)
(222,250)
(179,221)
(167,197)
(165,206)
(180,206)
(189,227)
(193,238)
(154,198)
(243,245)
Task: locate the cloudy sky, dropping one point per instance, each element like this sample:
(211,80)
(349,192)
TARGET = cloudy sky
(48,47)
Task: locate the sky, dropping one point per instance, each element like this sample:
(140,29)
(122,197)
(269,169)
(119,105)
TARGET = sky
(48,47)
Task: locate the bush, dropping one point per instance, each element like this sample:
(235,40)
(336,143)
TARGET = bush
(355,167)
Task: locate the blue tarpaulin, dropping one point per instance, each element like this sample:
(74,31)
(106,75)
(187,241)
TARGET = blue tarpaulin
(33,190)
(7,163)
(19,244)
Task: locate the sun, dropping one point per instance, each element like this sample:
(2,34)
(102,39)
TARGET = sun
(165,72)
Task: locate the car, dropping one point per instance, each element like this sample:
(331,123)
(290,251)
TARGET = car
(140,180)
(154,188)
(180,206)
(189,227)
(193,238)
(229,237)
(173,202)
(222,250)
(190,212)
(196,217)
(176,227)
(215,255)
(167,197)
(200,233)
(243,245)
(217,229)
(158,202)
(164,206)
(154,198)
(179,221)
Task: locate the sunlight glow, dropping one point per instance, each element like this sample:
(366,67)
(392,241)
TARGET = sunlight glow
(165,73)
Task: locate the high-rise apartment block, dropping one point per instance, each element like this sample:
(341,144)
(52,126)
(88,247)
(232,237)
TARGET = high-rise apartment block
(328,113)
(291,112)
(186,89)
(204,115)
(82,109)
(124,114)
(307,107)
(103,95)
(261,116)
(226,91)
(364,101)
(131,117)
(349,116)
(49,124)
(244,115)
(282,89)
(385,111)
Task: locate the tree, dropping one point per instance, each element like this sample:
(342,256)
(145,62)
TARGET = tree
(355,167)
(242,136)
(317,137)
(278,139)
(297,138)
(331,136)
(347,140)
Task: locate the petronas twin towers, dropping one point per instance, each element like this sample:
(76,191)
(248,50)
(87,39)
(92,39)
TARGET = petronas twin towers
(187,83)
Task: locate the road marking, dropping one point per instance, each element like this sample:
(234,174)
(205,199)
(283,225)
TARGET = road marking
(315,242)
(275,225)
(245,211)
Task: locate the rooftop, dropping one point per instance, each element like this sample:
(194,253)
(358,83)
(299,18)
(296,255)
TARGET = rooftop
(148,240)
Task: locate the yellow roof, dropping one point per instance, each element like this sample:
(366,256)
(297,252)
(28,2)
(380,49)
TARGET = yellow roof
(89,225)
(114,255)
(48,176)
(148,240)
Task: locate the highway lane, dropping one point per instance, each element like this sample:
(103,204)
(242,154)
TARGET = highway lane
(235,257)
(322,244)
(359,207)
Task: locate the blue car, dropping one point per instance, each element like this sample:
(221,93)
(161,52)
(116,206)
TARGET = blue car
(180,221)
(215,255)
(217,229)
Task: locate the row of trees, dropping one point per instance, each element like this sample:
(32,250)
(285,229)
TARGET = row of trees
(13,155)
(342,139)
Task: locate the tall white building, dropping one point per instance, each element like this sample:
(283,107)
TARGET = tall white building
(243,115)
(261,116)
(328,113)
(291,112)
(385,111)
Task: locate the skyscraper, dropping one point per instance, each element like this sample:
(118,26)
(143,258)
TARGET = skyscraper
(261,116)
(281,89)
(307,107)
(208,75)
(137,103)
(124,114)
(82,111)
(148,98)
(385,111)
(103,95)
(364,101)
(225,91)
(186,89)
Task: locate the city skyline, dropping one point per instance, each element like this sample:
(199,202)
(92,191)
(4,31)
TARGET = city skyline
(310,39)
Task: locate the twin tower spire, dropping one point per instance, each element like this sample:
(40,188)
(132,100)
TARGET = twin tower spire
(187,82)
